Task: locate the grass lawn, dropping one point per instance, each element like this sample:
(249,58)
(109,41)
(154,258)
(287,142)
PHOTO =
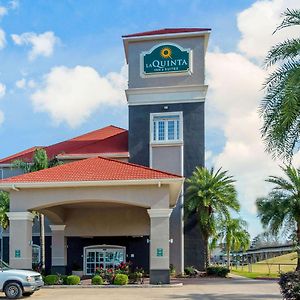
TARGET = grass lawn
(255,275)
(266,269)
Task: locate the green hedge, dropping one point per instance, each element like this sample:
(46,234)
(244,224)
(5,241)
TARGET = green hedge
(290,285)
(51,279)
(121,279)
(97,280)
(217,271)
(73,280)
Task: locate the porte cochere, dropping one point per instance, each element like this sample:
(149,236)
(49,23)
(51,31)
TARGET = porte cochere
(96,199)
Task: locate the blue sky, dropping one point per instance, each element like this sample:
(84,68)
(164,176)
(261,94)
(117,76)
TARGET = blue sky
(83,40)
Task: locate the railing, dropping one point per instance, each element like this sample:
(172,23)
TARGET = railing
(266,267)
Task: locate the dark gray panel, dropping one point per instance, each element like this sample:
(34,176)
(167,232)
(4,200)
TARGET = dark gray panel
(193,132)
(159,276)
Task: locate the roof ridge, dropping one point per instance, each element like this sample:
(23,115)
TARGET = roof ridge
(136,165)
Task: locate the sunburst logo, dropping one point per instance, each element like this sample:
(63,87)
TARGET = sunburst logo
(166,52)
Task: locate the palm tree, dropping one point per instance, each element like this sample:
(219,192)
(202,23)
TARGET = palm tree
(210,195)
(281,208)
(4,208)
(233,233)
(280,107)
(4,221)
(39,162)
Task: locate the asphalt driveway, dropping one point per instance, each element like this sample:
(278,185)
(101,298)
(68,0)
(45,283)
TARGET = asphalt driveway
(204,289)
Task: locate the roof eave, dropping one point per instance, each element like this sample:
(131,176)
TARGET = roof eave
(35,185)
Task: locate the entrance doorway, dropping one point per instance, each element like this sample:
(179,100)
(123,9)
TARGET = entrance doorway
(102,256)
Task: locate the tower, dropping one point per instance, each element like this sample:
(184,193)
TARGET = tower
(166,94)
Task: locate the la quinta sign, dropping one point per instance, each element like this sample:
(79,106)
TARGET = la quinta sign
(166,58)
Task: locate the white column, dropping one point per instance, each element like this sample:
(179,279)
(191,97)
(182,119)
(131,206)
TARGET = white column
(20,239)
(159,245)
(58,249)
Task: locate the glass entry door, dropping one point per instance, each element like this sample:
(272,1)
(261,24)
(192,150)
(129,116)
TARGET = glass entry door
(103,258)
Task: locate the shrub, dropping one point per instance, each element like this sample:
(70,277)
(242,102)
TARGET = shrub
(172,270)
(121,279)
(73,280)
(51,279)
(290,285)
(63,279)
(190,271)
(97,280)
(217,271)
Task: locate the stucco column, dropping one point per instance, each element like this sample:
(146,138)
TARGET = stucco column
(20,239)
(159,245)
(58,249)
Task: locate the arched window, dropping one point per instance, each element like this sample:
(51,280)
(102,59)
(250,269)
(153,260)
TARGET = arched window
(36,254)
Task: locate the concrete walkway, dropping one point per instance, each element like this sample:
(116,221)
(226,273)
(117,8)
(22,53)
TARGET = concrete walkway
(203,288)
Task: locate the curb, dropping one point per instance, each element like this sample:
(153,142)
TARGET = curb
(129,286)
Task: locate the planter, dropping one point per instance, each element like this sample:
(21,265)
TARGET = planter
(78,273)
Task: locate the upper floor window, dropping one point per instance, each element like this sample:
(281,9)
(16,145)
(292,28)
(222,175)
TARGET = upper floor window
(166,127)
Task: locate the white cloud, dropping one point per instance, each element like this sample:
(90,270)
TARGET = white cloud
(21,84)
(258,22)
(235,91)
(2,90)
(2,39)
(41,44)
(3,11)
(71,95)
(24,83)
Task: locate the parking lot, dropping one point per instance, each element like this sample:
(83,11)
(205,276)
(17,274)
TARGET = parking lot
(205,289)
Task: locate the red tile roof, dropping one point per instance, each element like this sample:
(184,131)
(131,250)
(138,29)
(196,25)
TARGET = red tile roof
(166,31)
(110,139)
(91,169)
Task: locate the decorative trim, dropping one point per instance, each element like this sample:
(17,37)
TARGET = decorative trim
(20,216)
(165,95)
(30,185)
(57,227)
(159,212)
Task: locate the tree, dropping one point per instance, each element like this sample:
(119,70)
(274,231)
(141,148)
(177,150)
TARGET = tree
(233,233)
(210,195)
(280,209)
(280,109)
(4,208)
(39,162)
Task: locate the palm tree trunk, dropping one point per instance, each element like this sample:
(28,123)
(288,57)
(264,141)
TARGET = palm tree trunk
(228,259)
(42,240)
(298,246)
(206,252)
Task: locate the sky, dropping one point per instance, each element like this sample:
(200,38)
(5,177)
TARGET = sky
(63,73)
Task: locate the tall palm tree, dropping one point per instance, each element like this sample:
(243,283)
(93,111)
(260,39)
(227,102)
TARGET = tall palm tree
(234,235)
(281,208)
(4,208)
(210,195)
(40,161)
(4,221)
(280,107)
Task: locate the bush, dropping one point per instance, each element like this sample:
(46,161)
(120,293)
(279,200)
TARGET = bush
(51,279)
(63,279)
(73,280)
(217,271)
(97,280)
(190,271)
(290,285)
(121,279)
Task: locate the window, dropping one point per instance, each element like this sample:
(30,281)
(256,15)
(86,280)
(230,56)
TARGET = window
(166,127)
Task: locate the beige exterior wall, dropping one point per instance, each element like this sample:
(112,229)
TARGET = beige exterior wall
(146,196)
(107,221)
